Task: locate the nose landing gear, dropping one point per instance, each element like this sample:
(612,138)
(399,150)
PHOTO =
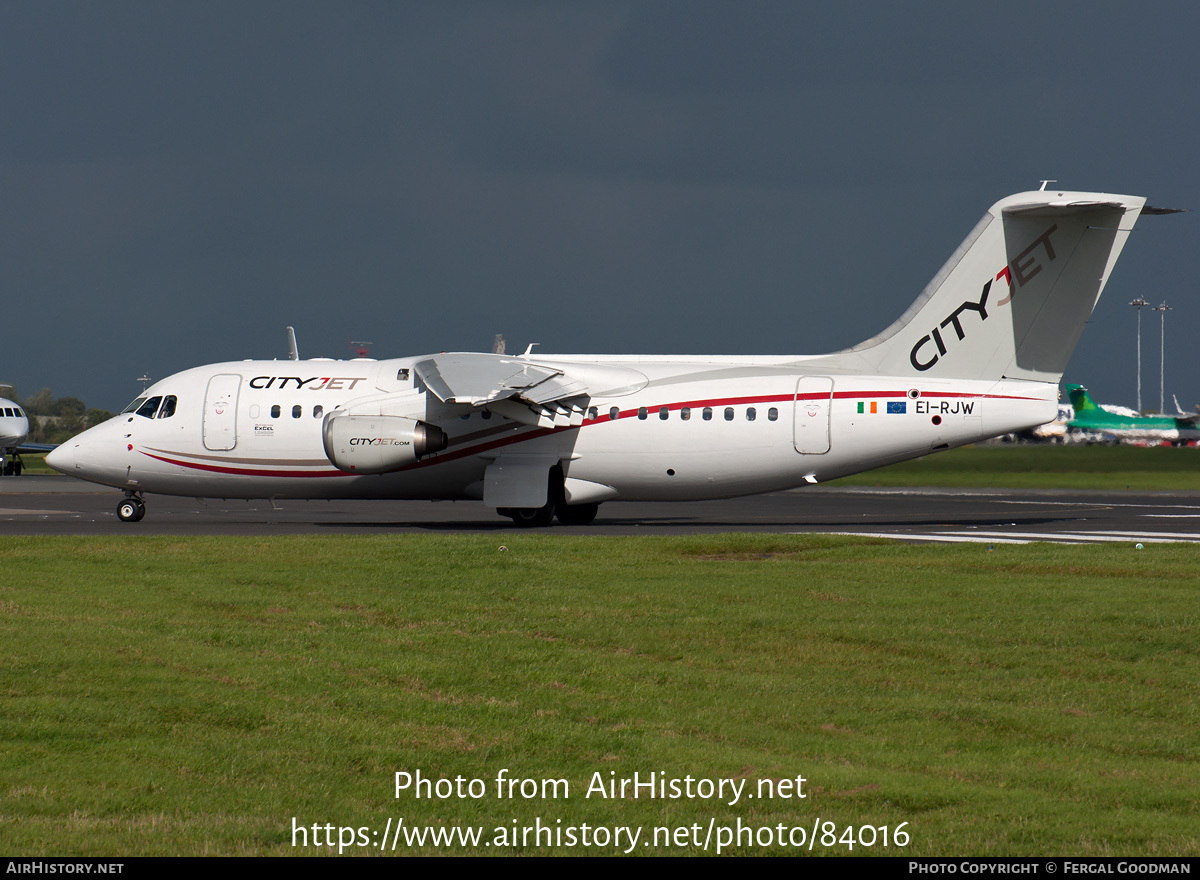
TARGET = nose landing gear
(131,509)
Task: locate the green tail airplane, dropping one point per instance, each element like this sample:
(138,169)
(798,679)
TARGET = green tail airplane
(1091,419)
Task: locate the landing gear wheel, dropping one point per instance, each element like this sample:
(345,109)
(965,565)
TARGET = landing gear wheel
(576,514)
(131,510)
(531,517)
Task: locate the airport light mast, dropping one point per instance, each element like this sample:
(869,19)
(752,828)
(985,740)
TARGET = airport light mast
(1138,304)
(1162,354)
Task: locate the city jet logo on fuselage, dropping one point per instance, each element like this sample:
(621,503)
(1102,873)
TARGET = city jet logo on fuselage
(323,383)
(378,441)
(1017,273)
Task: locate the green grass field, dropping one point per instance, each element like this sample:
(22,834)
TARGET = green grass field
(193,696)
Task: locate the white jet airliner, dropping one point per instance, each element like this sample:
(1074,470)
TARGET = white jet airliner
(979,353)
(14,428)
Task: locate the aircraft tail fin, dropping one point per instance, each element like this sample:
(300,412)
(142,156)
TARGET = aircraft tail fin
(1013,299)
(1082,401)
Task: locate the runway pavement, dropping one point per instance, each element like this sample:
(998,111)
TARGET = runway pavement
(51,505)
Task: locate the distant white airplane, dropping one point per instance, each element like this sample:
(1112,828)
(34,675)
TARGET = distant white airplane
(14,429)
(978,354)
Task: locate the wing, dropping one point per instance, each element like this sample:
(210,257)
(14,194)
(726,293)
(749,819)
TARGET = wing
(480,379)
(540,392)
(27,448)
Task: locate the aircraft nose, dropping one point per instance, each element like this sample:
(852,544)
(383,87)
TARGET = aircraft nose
(62,458)
(89,457)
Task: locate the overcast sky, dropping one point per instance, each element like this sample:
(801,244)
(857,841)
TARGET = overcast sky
(180,181)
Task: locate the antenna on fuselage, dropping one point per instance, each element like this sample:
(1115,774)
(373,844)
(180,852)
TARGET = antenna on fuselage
(145,380)
(293,349)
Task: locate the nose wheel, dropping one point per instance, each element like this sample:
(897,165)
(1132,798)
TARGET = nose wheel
(131,509)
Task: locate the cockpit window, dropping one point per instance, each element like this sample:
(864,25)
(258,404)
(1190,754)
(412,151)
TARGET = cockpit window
(149,408)
(133,406)
(168,407)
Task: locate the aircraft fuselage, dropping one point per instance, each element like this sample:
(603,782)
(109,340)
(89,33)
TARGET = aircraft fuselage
(695,429)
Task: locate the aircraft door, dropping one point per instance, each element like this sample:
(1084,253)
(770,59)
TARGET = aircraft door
(814,406)
(220,412)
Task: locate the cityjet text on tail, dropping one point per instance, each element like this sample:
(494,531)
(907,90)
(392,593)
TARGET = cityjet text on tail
(979,353)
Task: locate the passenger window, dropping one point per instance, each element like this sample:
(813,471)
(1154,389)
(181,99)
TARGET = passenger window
(729,413)
(751,414)
(297,411)
(663,412)
(275,411)
(772,414)
(641,412)
(487,414)
(708,413)
(593,413)
(613,412)
(685,413)
(133,406)
(168,407)
(254,411)
(318,411)
(150,407)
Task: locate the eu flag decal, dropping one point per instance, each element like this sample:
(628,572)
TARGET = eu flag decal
(897,407)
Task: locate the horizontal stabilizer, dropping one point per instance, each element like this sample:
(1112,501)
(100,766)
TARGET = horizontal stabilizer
(1050,207)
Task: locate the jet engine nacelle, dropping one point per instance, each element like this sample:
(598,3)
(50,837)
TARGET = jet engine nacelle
(362,444)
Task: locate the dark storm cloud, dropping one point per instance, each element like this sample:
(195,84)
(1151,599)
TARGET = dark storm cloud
(180,181)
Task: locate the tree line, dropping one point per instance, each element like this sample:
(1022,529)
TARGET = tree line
(58,419)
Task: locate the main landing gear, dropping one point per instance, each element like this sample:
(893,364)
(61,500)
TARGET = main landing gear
(540,517)
(132,508)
